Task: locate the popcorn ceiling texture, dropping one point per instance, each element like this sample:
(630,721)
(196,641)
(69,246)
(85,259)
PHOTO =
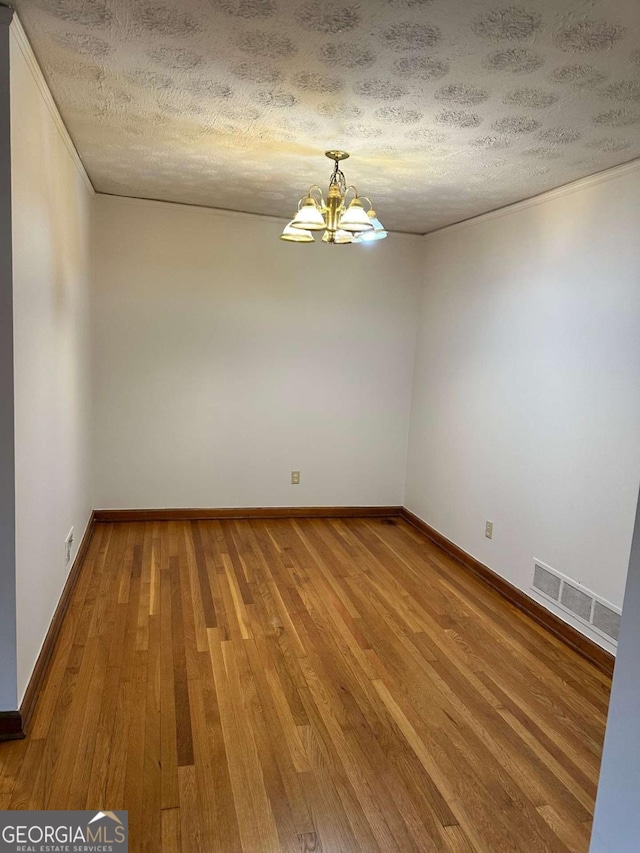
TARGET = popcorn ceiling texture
(450,108)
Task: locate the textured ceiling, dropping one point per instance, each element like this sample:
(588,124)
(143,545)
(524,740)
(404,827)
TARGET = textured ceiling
(449,107)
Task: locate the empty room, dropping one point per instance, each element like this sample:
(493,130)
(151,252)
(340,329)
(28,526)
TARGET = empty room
(328,549)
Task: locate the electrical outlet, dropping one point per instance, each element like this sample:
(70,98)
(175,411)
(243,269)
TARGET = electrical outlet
(488,530)
(295,478)
(68,542)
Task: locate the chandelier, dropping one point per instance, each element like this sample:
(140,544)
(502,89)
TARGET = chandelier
(341,222)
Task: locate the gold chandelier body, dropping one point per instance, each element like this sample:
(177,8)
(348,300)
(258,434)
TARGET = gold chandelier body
(335,206)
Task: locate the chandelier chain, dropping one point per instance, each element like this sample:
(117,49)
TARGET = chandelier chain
(337,177)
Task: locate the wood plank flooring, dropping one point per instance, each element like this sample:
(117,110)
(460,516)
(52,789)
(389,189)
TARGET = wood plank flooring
(308,685)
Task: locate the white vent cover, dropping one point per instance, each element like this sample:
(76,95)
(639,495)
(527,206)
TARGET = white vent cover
(572,597)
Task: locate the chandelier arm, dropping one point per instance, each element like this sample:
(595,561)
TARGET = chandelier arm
(319,190)
(355,193)
(365,198)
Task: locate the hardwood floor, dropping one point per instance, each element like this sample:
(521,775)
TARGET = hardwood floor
(308,685)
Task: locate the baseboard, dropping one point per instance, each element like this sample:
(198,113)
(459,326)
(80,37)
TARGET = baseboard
(40,669)
(595,654)
(221,513)
(11,727)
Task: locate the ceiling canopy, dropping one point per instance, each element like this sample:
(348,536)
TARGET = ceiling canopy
(451,107)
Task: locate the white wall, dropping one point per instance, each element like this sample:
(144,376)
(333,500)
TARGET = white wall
(526,408)
(225,359)
(51,245)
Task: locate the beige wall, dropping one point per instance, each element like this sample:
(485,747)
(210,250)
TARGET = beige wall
(526,409)
(225,359)
(51,243)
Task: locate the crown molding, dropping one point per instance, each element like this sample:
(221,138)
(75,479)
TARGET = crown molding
(549,195)
(213,211)
(6,15)
(194,208)
(21,39)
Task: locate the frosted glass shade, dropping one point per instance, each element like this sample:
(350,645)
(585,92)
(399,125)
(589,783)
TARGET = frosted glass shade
(309,217)
(378,232)
(355,218)
(369,236)
(338,237)
(296,235)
